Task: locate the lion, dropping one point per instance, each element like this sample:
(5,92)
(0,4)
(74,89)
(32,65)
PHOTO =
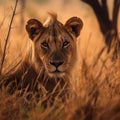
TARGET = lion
(49,59)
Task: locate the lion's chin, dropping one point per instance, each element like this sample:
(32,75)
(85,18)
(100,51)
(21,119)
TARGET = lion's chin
(56,74)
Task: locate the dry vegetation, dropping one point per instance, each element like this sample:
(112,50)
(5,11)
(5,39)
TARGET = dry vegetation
(95,83)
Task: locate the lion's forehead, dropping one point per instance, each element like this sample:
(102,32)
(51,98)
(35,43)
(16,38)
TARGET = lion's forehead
(56,33)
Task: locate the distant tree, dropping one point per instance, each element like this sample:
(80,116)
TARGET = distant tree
(108,26)
(22,4)
(66,1)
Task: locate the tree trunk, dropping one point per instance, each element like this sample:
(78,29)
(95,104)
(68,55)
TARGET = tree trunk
(108,27)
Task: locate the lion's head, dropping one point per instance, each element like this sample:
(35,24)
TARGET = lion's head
(55,44)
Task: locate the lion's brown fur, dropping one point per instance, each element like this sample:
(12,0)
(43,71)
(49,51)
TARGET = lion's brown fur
(31,75)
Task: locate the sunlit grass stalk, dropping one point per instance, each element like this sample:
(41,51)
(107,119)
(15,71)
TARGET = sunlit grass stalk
(7,38)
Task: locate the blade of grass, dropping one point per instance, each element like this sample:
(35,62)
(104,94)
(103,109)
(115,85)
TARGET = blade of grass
(7,38)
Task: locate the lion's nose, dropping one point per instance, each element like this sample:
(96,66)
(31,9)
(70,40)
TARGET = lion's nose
(56,63)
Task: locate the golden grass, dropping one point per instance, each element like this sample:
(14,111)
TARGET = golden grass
(95,83)
(97,98)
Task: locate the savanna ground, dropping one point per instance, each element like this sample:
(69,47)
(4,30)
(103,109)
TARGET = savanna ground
(96,79)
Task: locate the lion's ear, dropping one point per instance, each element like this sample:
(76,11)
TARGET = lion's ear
(75,25)
(34,27)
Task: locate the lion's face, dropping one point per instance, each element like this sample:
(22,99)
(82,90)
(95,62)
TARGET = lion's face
(55,44)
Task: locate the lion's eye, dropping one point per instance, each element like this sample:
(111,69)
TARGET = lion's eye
(66,44)
(45,45)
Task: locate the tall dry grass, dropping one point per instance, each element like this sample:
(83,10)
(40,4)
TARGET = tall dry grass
(97,98)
